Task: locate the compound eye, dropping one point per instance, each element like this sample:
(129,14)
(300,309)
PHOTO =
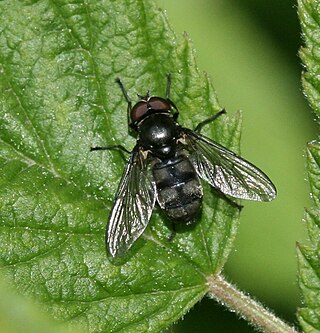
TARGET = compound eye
(139,110)
(158,103)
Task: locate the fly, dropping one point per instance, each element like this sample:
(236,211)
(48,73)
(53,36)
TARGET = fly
(166,165)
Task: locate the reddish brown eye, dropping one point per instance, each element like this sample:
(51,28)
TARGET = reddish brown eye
(154,103)
(158,103)
(139,110)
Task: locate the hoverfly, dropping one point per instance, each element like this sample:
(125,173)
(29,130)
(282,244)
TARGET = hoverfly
(166,165)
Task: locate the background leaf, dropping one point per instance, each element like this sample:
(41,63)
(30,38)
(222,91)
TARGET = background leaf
(58,62)
(310,20)
(18,315)
(309,255)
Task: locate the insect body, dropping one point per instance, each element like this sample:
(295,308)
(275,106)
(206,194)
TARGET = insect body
(178,188)
(165,166)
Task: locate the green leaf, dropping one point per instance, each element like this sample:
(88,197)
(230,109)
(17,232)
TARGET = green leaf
(58,63)
(309,255)
(309,15)
(18,315)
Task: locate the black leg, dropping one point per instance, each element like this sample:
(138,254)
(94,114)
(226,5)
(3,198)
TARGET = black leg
(168,86)
(209,120)
(115,147)
(126,96)
(173,233)
(176,112)
(227,199)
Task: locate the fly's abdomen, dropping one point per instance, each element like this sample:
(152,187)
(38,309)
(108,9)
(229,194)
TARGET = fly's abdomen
(178,187)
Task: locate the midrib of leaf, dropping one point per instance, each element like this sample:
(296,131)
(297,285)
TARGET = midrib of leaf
(309,255)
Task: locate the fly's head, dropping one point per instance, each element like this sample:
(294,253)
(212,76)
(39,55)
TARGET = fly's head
(154,118)
(149,105)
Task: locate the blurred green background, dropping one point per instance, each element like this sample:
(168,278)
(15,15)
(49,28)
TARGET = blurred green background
(249,48)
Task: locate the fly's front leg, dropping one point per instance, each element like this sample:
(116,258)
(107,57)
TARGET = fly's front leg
(209,120)
(128,99)
(168,88)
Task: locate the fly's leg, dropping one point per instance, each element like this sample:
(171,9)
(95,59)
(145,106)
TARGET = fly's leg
(209,120)
(176,112)
(127,98)
(114,147)
(168,86)
(173,233)
(228,200)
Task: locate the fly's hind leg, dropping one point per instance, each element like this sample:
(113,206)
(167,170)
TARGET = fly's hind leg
(173,233)
(227,199)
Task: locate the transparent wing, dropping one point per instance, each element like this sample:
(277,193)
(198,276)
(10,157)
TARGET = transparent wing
(227,171)
(134,202)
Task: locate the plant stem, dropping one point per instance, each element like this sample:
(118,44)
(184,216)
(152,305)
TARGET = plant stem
(254,312)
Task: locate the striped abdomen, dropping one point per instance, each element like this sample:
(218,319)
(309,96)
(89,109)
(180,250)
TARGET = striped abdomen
(178,187)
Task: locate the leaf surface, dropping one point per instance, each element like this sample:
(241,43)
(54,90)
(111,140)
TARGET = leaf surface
(58,63)
(309,255)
